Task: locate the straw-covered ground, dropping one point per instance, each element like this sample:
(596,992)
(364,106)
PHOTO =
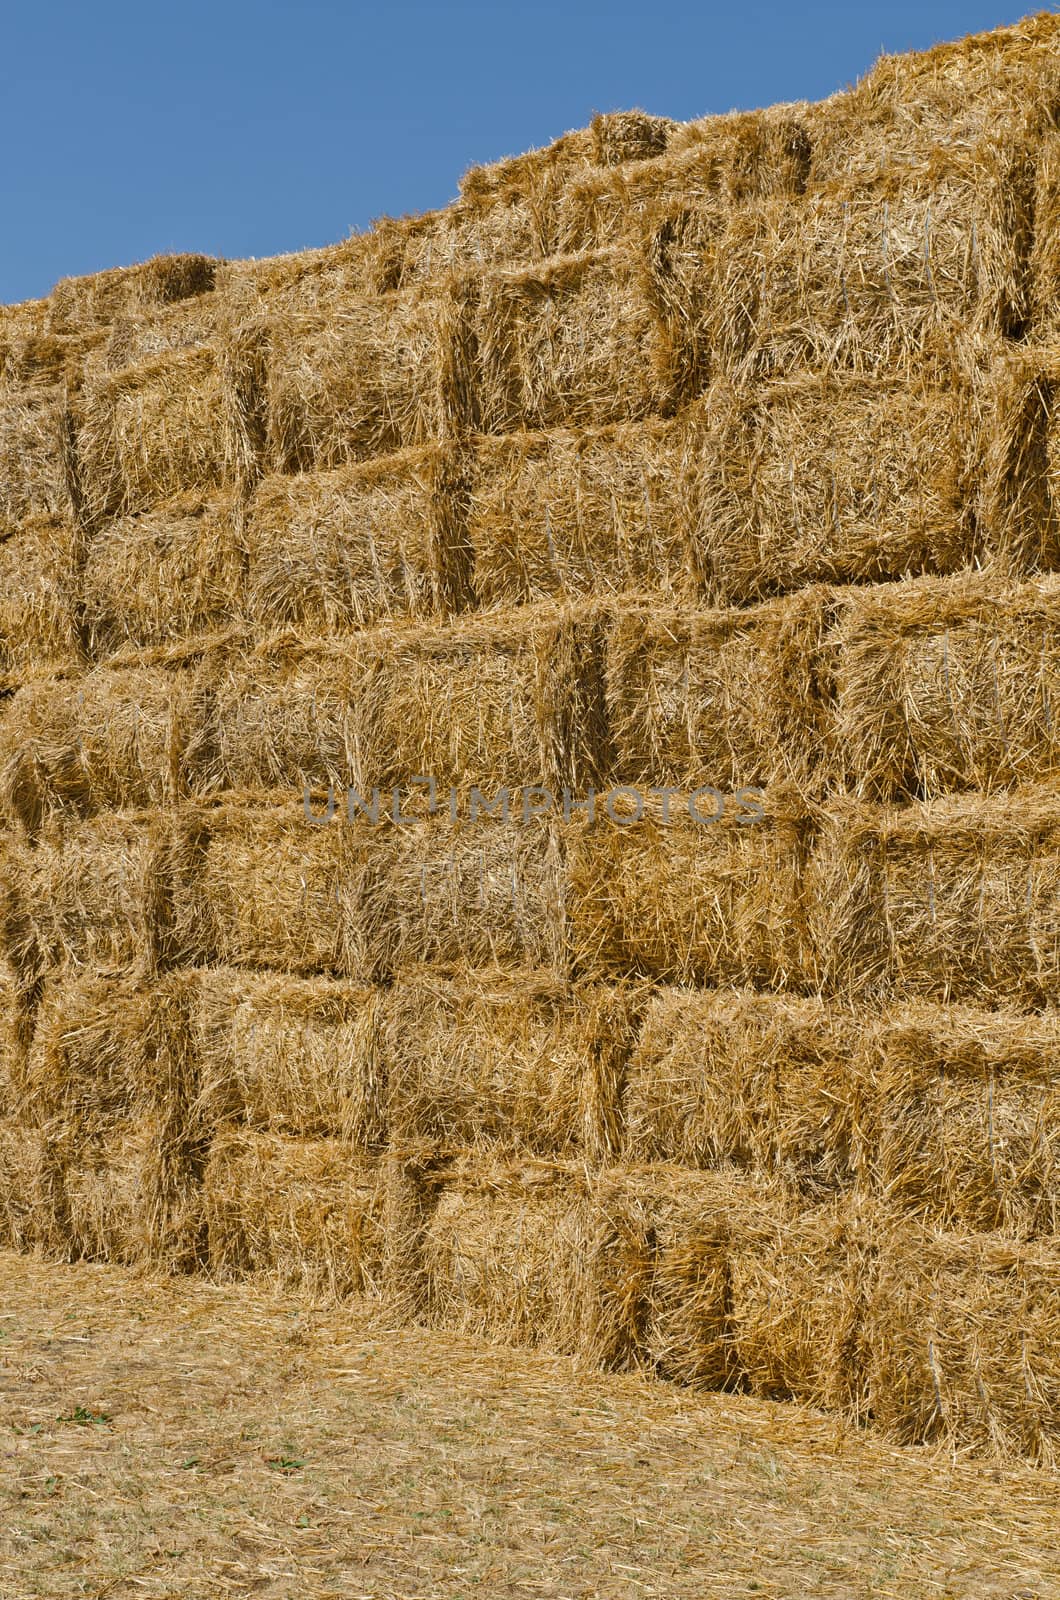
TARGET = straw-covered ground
(179,1439)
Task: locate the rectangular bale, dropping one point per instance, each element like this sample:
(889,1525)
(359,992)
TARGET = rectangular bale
(836,478)
(733,698)
(966,1116)
(508,1059)
(304,1214)
(953,900)
(948,684)
(301,1057)
(767,1083)
(101,299)
(575,512)
(34,457)
(567,343)
(162,577)
(962,1345)
(712,902)
(1019,500)
(39,628)
(25,1213)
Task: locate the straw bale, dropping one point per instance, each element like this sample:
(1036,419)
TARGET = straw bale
(137,338)
(22,1218)
(967,1116)
(688,902)
(291,713)
(953,900)
(414,1172)
(38,605)
(506,700)
(946,684)
(503,1254)
(764,1082)
(94,892)
(1045,258)
(476,894)
(294,1056)
(508,1059)
(466,236)
(152,431)
(15,1034)
(566,343)
(962,1342)
(620,136)
(527,191)
(835,477)
(40,364)
(266,889)
(164,576)
(116,738)
(334,551)
(710,165)
(33,461)
(102,298)
(365,380)
(798,1299)
(302,281)
(732,698)
(573,512)
(1020,500)
(304,1213)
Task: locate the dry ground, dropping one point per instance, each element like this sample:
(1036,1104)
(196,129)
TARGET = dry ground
(177,1439)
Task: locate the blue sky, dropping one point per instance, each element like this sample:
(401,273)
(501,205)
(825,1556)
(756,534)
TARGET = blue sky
(244,129)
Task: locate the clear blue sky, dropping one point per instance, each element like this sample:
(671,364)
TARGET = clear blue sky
(242,128)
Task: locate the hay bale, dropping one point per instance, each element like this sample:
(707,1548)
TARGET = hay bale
(94,892)
(112,1076)
(952,900)
(38,605)
(414,1172)
(527,191)
(835,477)
(870,279)
(1020,500)
(33,459)
(967,1117)
(962,1343)
(573,512)
(164,576)
(23,1217)
(767,1083)
(151,432)
(475,894)
(292,713)
(361,381)
(16,1027)
(798,1302)
(303,1213)
(300,1057)
(334,551)
(503,1252)
(118,738)
(263,888)
(689,903)
(102,298)
(1045,257)
(508,1059)
(732,698)
(947,684)
(567,343)
(620,136)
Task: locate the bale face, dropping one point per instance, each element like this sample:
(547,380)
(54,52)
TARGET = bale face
(101,299)
(835,478)
(346,549)
(952,901)
(297,1057)
(504,1059)
(567,344)
(151,432)
(23,1198)
(966,1130)
(712,903)
(363,382)
(163,576)
(568,513)
(1020,500)
(948,685)
(962,1346)
(729,698)
(762,1082)
(302,1213)
(38,605)
(33,458)
(502,1255)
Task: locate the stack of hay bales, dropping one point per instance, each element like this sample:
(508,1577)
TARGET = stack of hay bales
(673,456)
